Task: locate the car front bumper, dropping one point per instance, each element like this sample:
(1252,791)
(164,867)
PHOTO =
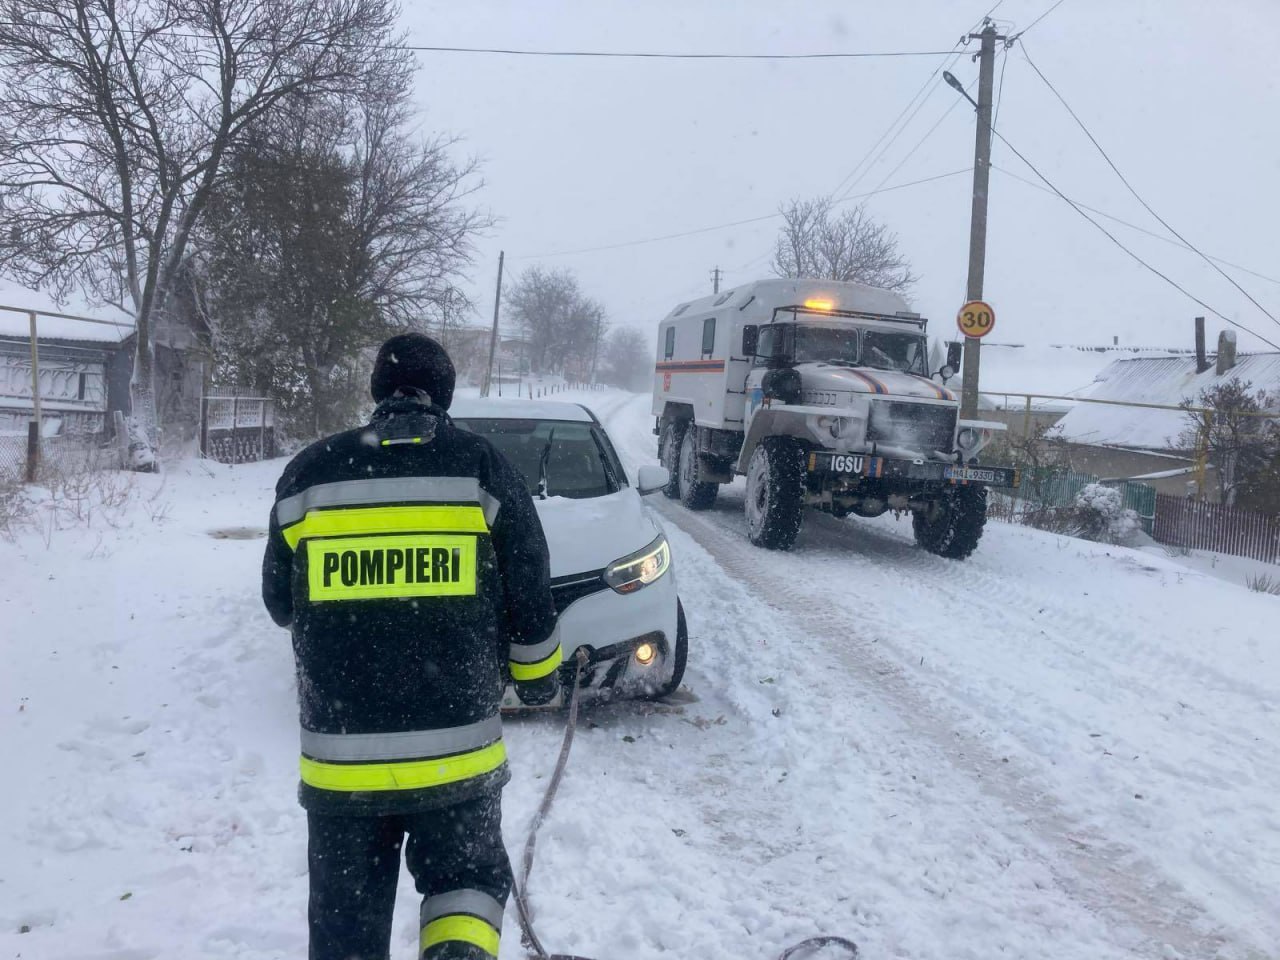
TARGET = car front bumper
(610,627)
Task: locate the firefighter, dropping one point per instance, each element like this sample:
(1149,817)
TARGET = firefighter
(409,562)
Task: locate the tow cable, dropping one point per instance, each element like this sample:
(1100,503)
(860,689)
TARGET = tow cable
(520,886)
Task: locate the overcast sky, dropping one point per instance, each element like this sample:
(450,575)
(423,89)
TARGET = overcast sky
(583,153)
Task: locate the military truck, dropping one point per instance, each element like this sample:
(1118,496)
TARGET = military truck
(820,394)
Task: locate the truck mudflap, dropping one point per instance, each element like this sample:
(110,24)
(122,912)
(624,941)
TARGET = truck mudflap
(887,468)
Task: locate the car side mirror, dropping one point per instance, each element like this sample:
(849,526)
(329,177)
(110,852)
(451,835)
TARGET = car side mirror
(947,372)
(651,478)
(750,338)
(954,349)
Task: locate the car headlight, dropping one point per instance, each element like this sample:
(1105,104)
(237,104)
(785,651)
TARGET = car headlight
(628,574)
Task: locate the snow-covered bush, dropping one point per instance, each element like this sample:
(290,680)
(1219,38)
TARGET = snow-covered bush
(1099,514)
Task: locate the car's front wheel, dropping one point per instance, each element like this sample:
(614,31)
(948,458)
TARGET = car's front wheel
(679,659)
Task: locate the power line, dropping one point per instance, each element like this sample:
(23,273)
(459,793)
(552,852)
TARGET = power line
(927,88)
(928,133)
(1112,237)
(596,54)
(665,55)
(732,223)
(1019,34)
(1133,226)
(1137,196)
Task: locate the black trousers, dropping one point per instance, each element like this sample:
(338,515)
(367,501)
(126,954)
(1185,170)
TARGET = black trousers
(458,863)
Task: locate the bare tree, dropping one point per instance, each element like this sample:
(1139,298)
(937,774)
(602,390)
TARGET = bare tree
(117,121)
(334,226)
(817,243)
(1237,437)
(564,327)
(627,357)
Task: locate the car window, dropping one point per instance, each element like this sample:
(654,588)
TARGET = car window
(578,466)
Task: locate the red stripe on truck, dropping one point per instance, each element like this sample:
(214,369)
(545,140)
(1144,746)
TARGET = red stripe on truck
(690,366)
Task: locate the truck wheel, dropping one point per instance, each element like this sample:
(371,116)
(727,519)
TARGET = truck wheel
(679,659)
(775,493)
(694,494)
(669,455)
(952,526)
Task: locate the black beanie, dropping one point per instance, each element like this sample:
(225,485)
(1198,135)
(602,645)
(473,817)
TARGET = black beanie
(413,360)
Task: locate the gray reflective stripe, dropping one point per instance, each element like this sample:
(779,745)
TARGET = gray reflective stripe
(349,493)
(412,745)
(535,652)
(473,902)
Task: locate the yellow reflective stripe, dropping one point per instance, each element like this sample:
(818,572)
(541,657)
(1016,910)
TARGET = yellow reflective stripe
(460,927)
(374,520)
(406,775)
(535,671)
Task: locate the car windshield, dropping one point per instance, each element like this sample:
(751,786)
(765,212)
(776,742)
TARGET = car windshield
(578,463)
(826,344)
(894,351)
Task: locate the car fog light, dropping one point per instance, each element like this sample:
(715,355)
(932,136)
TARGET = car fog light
(645,654)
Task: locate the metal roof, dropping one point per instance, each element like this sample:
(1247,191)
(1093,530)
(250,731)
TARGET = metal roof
(1161,380)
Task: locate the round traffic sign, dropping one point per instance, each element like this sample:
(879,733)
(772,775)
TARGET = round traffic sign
(976,319)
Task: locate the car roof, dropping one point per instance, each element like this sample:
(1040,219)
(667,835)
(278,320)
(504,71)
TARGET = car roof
(513,408)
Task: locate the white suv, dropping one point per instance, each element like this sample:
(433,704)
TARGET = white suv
(611,570)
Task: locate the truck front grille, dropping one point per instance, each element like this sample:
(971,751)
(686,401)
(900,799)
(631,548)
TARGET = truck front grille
(921,427)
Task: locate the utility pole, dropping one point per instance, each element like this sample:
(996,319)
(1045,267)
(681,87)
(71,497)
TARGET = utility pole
(493,336)
(715,279)
(978,222)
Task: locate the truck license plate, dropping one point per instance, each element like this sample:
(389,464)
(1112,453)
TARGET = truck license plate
(971,473)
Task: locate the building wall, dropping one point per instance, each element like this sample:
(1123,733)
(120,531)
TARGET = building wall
(1016,420)
(1109,464)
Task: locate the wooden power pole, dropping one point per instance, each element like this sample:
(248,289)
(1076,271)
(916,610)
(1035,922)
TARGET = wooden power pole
(493,335)
(715,279)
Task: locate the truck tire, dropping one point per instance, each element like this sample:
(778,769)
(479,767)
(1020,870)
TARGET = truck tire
(679,657)
(775,493)
(694,494)
(952,526)
(669,455)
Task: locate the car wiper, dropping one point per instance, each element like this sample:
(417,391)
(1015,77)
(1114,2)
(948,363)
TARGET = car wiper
(840,362)
(542,465)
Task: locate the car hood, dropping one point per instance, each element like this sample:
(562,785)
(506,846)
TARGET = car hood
(590,534)
(893,383)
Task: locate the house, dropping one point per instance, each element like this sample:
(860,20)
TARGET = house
(83,368)
(1149,443)
(85,360)
(1052,370)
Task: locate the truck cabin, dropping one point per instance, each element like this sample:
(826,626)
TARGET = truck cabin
(807,334)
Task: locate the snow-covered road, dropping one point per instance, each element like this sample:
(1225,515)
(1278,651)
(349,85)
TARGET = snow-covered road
(1055,749)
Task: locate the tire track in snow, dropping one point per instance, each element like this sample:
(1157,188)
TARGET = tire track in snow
(1101,873)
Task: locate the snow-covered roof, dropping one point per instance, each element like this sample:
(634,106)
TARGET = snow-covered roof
(1060,370)
(514,408)
(110,325)
(1160,380)
(847,295)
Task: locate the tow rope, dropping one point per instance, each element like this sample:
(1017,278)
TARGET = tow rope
(520,885)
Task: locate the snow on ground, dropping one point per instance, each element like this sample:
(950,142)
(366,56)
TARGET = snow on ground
(1055,747)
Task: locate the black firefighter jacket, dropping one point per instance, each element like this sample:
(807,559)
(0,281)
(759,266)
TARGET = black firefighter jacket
(408,559)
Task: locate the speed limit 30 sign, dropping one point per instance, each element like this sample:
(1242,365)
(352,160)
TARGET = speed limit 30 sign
(976,319)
